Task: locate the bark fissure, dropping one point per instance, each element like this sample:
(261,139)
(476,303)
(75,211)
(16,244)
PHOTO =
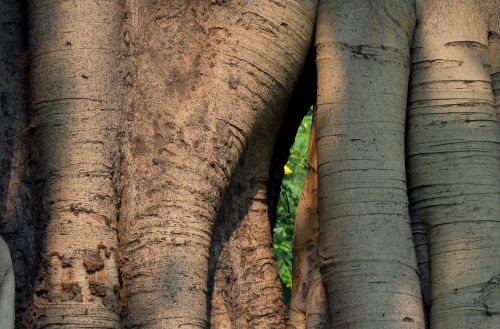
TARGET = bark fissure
(202,89)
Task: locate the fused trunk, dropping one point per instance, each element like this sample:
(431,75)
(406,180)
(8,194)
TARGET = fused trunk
(203,82)
(368,258)
(453,161)
(76,98)
(247,292)
(309,305)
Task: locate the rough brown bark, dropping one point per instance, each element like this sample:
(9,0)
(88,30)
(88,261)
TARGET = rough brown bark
(205,84)
(453,161)
(368,257)
(204,80)
(309,305)
(247,292)
(77,100)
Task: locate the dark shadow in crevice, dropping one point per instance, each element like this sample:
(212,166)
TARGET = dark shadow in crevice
(238,196)
(300,103)
(18,195)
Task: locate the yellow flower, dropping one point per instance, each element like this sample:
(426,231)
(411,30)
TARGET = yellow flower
(288,170)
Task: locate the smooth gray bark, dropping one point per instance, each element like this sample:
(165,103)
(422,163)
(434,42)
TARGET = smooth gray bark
(368,257)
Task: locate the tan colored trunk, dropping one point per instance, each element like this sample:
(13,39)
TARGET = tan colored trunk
(204,80)
(317,308)
(309,305)
(247,292)
(453,161)
(76,98)
(369,262)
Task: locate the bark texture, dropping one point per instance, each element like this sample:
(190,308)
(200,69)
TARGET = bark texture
(7,288)
(76,99)
(368,257)
(247,289)
(204,79)
(453,161)
(17,223)
(494,49)
(309,305)
(247,292)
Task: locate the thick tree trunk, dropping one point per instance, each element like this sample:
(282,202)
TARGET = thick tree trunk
(247,292)
(17,223)
(76,97)
(369,262)
(453,161)
(309,306)
(204,80)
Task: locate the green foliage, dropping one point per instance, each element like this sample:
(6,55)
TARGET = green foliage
(295,174)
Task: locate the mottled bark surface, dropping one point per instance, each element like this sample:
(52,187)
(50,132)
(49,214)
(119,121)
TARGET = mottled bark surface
(368,257)
(203,81)
(309,305)
(17,223)
(140,170)
(453,161)
(77,100)
(247,292)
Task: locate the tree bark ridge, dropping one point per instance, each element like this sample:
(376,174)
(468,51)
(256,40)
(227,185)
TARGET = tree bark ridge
(77,90)
(453,161)
(202,85)
(368,257)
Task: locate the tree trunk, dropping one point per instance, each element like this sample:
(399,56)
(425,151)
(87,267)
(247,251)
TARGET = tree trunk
(369,262)
(7,288)
(309,305)
(494,49)
(76,98)
(247,292)
(139,173)
(453,161)
(204,80)
(17,202)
